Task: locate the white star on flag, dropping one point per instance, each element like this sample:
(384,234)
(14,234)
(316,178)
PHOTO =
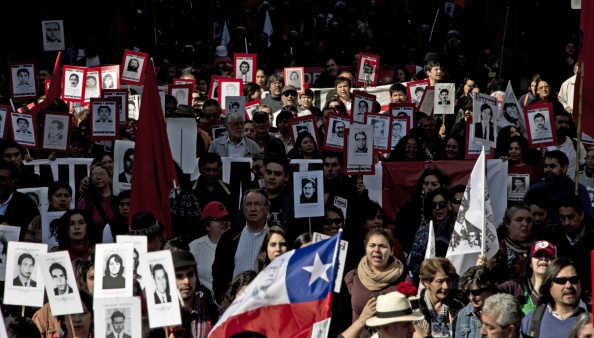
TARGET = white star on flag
(317,270)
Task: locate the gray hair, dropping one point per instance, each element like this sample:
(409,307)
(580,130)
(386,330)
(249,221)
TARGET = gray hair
(509,212)
(506,308)
(262,192)
(233,116)
(582,320)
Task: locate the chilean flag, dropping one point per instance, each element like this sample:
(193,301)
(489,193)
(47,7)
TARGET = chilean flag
(290,298)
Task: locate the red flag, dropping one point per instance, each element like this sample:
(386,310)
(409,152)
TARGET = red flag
(153,171)
(54,90)
(586,54)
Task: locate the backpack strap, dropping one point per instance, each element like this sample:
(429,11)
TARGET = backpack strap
(536,319)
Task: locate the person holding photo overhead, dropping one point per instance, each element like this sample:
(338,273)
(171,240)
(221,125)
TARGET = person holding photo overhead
(113,275)
(162,290)
(485,129)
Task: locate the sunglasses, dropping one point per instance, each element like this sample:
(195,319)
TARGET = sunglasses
(330,221)
(440,204)
(287,94)
(563,280)
(456,200)
(474,292)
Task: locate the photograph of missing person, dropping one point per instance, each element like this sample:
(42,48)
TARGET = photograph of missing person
(53,35)
(162,292)
(444,99)
(381,130)
(415,90)
(122,165)
(113,276)
(122,97)
(92,84)
(540,125)
(309,197)
(113,272)
(118,323)
(294,77)
(23,80)
(23,132)
(517,186)
(360,145)
(133,65)
(105,119)
(245,67)
(228,87)
(367,69)
(219,130)
(399,129)
(117,317)
(361,104)
(73,88)
(56,132)
(485,117)
(60,279)
(4,109)
(26,271)
(303,124)
(360,138)
(403,110)
(110,77)
(236,104)
(181,92)
(335,131)
(8,233)
(24,284)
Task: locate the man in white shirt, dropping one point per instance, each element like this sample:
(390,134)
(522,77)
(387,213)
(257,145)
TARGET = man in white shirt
(566,91)
(289,98)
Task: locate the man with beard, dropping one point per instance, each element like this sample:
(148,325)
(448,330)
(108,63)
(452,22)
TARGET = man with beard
(573,236)
(275,86)
(560,302)
(557,183)
(567,144)
(200,312)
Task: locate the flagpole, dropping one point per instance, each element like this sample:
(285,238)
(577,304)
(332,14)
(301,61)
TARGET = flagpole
(579,131)
(483,224)
(432,27)
(503,43)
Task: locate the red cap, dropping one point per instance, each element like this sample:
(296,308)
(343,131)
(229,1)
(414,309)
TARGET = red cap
(549,247)
(214,210)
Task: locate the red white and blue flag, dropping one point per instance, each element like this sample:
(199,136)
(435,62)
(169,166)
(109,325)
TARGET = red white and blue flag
(290,298)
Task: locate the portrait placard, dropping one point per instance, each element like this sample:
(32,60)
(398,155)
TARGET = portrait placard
(485,118)
(122,165)
(302,124)
(404,109)
(92,84)
(113,270)
(181,92)
(4,110)
(23,78)
(236,171)
(56,132)
(118,317)
(133,106)
(308,193)
(23,131)
(367,69)
(49,234)
(335,130)
(511,113)
(38,195)
(444,99)
(540,125)
(105,115)
(360,145)
(361,103)
(53,35)
(73,83)
(23,281)
(250,108)
(235,104)
(294,77)
(110,77)
(415,90)
(139,252)
(473,150)
(8,233)
(60,283)
(229,87)
(517,186)
(245,66)
(191,82)
(399,126)
(426,104)
(381,130)
(301,164)
(182,133)
(133,67)
(219,130)
(122,96)
(213,89)
(161,290)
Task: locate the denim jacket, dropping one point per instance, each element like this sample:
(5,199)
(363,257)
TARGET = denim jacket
(468,324)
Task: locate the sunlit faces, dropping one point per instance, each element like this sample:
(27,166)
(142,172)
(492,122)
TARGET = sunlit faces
(563,291)
(520,226)
(377,252)
(540,261)
(477,296)
(331,223)
(441,208)
(439,287)
(343,90)
(277,245)
(254,209)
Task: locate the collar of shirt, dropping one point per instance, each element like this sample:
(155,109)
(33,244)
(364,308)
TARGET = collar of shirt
(5,204)
(580,308)
(573,241)
(241,143)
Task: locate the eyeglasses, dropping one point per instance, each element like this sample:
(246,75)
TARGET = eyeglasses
(563,280)
(276,83)
(330,221)
(440,204)
(456,200)
(95,175)
(476,292)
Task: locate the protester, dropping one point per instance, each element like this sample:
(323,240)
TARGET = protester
(274,245)
(501,317)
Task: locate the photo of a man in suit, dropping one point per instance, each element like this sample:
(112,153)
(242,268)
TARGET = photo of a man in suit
(485,129)
(60,278)
(23,124)
(126,175)
(26,264)
(162,291)
(104,113)
(118,320)
(443,97)
(55,130)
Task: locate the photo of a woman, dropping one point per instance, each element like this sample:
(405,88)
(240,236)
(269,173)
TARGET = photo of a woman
(113,275)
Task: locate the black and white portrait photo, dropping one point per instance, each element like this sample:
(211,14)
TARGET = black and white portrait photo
(540,126)
(92,85)
(294,77)
(244,66)
(122,165)
(399,129)
(74,83)
(361,105)
(162,292)
(26,267)
(229,87)
(128,161)
(122,97)
(8,233)
(23,80)
(360,145)
(415,90)
(367,69)
(511,113)
(133,66)
(403,110)
(117,317)
(361,142)
(104,121)
(60,279)
(444,98)
(23,131)
(53,35)
(110,77)
(334,135)
(235,104)
(381,130)
(485,117)
(56,131)
(303,124)
(517,186)
(24,284)
(4,109)
(309,193)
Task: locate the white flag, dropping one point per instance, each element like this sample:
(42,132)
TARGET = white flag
(225,36)
(430,251)
(465,244)
(268,27)
(511,113)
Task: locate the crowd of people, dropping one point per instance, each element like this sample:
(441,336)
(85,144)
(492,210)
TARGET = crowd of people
(538,283)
